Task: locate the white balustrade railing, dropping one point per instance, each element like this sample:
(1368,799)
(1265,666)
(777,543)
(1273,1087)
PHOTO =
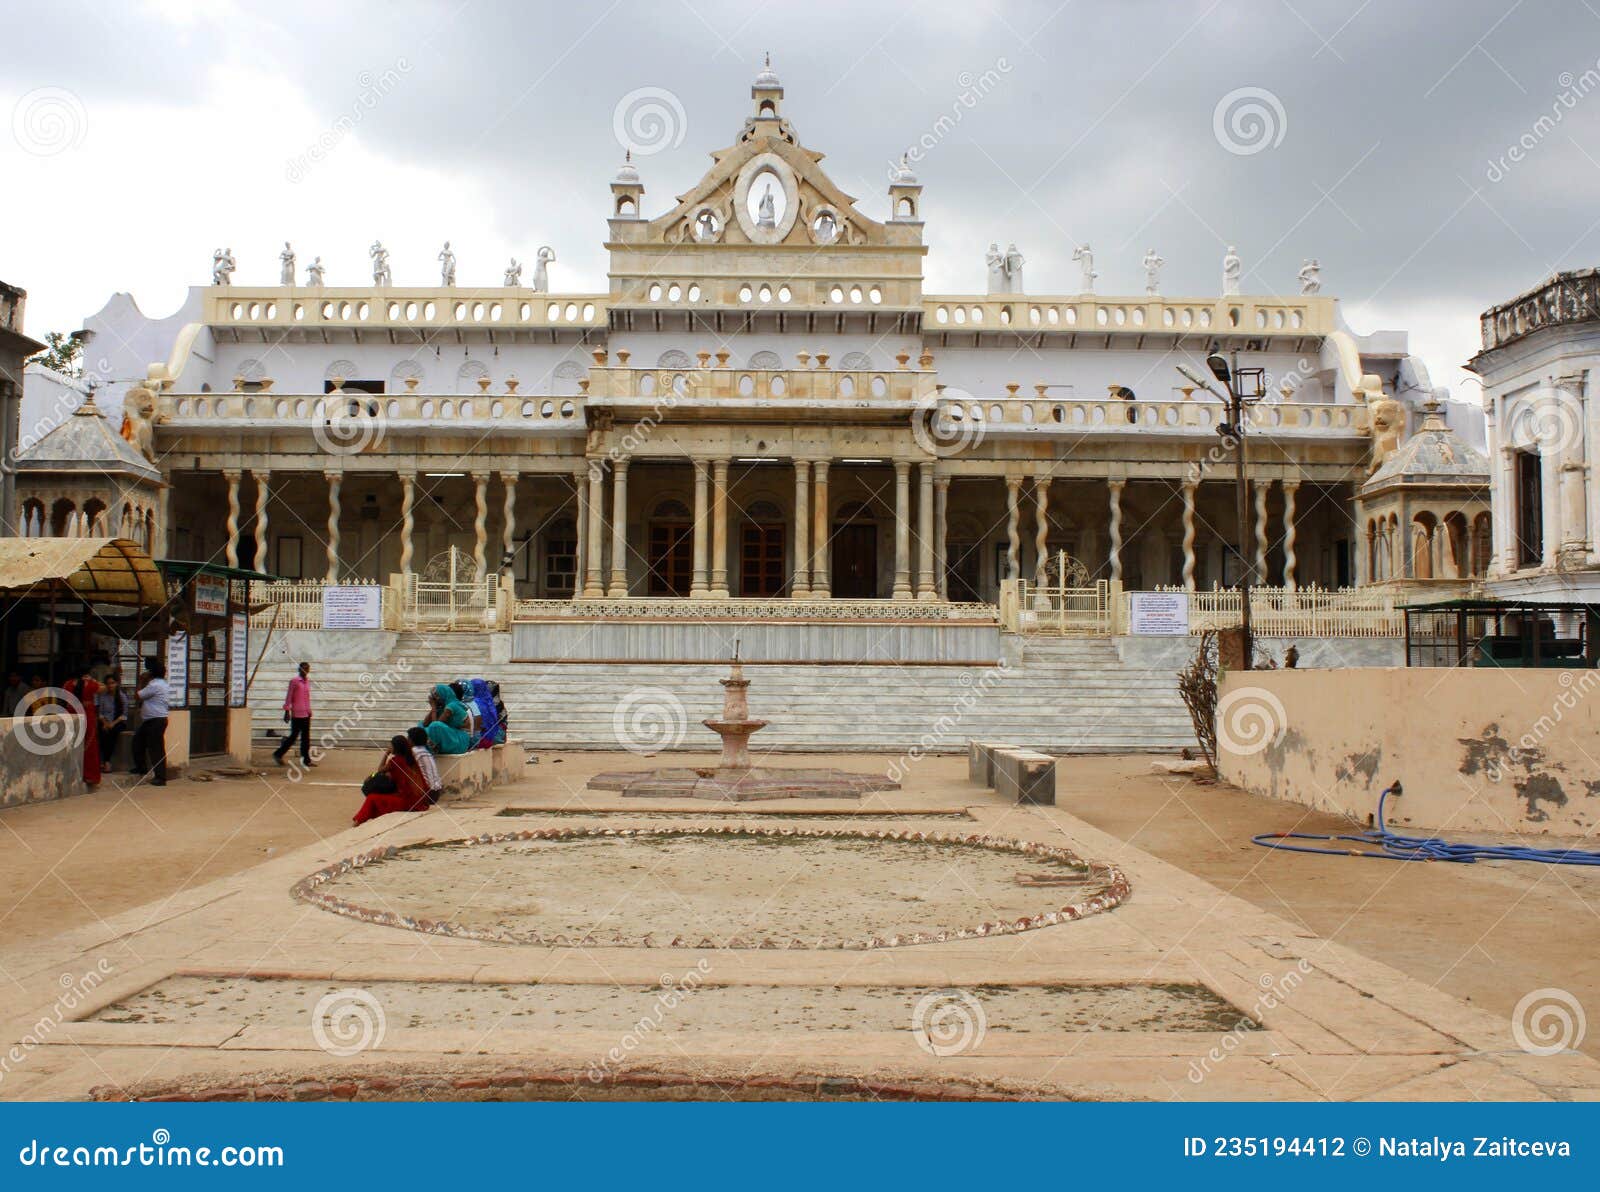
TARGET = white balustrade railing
(351,413)
(1077,416)
(1299,612)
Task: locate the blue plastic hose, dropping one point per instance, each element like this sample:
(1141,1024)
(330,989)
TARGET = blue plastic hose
(1422,848)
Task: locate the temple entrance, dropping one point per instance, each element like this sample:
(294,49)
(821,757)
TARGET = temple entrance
(761,553)
(670,551)
(855,554)
(964,571)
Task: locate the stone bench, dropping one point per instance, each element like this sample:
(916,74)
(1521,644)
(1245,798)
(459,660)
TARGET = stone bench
(508,763)
(479,769)
(980,761)
(1025,776)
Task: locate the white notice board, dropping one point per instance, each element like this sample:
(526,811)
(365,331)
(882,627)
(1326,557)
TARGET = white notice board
(1159,613)
(352,606)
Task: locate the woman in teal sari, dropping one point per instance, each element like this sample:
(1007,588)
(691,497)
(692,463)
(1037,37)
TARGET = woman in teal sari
(446,722)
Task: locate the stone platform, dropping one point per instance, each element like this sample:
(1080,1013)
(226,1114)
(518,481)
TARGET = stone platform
(756,782)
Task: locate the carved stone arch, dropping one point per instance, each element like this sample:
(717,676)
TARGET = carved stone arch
(405,370)
(341,369)
(565,377)
(671,509)
(251,369)
(468,375)
(856,362)
(673,358)
(766,360)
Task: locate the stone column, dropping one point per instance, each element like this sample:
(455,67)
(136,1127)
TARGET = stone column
(1190,490)
(1290,531)
(800,586)
(941,511)
(700,587)
(160,548)
(593,581)
(408,519)
(335,480)
(1263,487)
(1041,530)
(230,549)
(480,526)
(1574,471)
(821,574)
(508,512)
(1013,527)
(902,530)
(719,530)
(1507,511)
(619,530)
(1114,550)
(263,479)
(580,504)
(927,589)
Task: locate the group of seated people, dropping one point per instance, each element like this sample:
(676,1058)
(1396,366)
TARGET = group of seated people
(462,716)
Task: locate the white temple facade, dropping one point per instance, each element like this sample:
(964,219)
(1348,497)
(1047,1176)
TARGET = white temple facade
(761,402)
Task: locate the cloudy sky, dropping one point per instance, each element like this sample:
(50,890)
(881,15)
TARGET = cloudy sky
(1435,157)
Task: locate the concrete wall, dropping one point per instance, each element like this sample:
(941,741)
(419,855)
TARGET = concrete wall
(1315,652)
(1476,750)
(41,758)
(758,641)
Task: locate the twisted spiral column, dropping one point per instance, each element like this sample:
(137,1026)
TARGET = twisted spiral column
(408,519)
(230,550)
(335,481)
(1041,530)
(1290,530)
(1114,551)
(508,510)
(263,480)
(1189,489)
(1013,527)
(1263,487)
(480,525)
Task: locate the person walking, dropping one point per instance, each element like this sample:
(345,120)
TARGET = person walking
(150,738)
(297,715)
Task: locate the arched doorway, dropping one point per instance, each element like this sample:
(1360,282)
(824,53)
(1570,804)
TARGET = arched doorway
(669,550)
(761,551)
(855,553)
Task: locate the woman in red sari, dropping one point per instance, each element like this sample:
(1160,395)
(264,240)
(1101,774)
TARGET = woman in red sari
(84,689)
(410,791)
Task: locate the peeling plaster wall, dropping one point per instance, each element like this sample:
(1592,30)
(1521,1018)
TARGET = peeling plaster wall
(1476,750)
(38,763)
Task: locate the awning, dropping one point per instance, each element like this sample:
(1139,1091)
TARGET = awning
(184,568)
(98,570)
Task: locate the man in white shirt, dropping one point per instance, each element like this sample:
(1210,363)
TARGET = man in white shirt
(150,738)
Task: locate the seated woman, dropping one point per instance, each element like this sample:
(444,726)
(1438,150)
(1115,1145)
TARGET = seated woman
(410,791)
(446,723)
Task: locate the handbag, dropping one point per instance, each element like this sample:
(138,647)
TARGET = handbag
(378,784)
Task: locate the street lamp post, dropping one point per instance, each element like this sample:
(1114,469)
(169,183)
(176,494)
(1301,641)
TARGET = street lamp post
(1234,379)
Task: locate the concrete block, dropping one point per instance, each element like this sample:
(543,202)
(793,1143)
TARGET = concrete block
(1024,776)
(507,763)
(468,772)
(980,768)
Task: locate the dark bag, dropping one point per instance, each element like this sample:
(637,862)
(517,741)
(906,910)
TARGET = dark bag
(378,784)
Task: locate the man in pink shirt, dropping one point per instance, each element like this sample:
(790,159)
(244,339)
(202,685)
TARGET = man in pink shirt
(297,713)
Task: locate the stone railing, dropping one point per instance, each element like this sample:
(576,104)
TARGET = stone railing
(716,380)
(1025,313)
(1043,414)
(296,603)
(395,409)
(1105,609)
(649,608)
(374,306)
(1566,298)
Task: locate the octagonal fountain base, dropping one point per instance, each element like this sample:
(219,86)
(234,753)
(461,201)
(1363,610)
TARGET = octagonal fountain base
(740,786)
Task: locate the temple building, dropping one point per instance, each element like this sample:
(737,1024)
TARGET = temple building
(764,402)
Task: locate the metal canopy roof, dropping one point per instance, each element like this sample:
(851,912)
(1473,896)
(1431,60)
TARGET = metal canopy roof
(98,570)
(184,568)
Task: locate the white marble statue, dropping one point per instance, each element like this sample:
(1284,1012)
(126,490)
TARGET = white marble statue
(705,226)
(1232,267)
(1310,276)
(996,260)
(1013,270)
(380,264)
(222,267)
(541,269)
(514,273)
(447,266)
(286,260)
(766,216)
(1084,255)
(1152,272)
(315,274)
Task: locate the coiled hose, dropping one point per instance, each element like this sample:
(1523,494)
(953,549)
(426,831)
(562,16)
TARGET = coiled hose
(1421,848)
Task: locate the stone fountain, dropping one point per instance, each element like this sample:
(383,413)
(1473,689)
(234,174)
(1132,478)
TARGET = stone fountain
(734,778)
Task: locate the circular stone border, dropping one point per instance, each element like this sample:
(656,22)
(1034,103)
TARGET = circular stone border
(1115,890)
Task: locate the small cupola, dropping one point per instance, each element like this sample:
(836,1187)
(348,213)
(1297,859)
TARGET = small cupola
(626,190)
(905,193)
(767,92)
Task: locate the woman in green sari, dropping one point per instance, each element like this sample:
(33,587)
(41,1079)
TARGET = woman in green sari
(446,722)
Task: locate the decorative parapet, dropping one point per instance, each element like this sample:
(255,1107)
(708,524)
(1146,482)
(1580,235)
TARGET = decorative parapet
(281,411)
(719,382)
(388,307)
(1292,318)
(1566,298)
(1014,415)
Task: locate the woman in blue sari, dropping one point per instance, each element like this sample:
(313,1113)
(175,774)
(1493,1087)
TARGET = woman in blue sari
(446,722)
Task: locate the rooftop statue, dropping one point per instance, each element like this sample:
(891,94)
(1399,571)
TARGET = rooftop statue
(380,264)
(1310,276)
(1084,255)
(766,216)
(139,419)
(541,270)
(1013,270)
(514,273)
(1152,272)
(447,266)
(315,272)
(286,260)
(1232,267)
(222,267)
(996,260)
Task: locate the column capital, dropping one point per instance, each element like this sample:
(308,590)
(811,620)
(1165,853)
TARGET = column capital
(902,467)
(1115,484)
(619,466)
(332,476)
(1290,485)
(942,483)
(233,475)
(406,475)
(510,475)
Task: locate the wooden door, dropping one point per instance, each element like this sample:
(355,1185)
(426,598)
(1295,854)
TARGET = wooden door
(761,559)
(671,558)
(964,570)
(855,561)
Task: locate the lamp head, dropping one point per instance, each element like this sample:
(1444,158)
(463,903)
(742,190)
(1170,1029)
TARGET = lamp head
(1218,364)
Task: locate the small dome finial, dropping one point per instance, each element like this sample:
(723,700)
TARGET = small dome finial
(767,77)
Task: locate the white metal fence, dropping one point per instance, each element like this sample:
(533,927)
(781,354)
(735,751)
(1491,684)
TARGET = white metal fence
(1299,612)
(1027,607)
